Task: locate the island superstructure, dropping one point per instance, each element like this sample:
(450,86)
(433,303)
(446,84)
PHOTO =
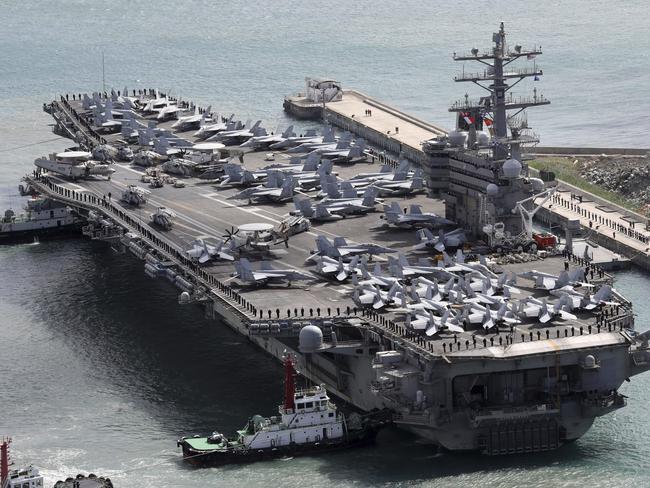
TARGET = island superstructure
(472,355)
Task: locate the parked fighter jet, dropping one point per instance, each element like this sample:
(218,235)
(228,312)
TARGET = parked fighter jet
(585,301)
(432,324)
(534,308)
(266,274)
(551,282)
(336,269)
(194,121)
(364,296)
(320,213)
(237,136)
(341,249)
(276,191)
(309,136)
(413,218)
(207,130)
(262,141)
(442,241)
(204,252)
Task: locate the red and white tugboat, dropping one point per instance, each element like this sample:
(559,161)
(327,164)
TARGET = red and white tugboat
(308,423)
(16,478)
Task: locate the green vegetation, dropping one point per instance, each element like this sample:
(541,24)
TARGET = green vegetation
(566,171)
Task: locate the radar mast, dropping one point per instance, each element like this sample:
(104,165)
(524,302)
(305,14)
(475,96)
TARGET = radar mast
(492,110)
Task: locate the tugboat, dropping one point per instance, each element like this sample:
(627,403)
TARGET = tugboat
(43,219)
(308,423)
(31,478)
(16,478)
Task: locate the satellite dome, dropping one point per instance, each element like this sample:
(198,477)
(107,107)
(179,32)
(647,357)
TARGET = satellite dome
(184,298)
(492,190)
(310,339)
(457,138)
(511,168)
(482,138)
(590,361)
(538,185)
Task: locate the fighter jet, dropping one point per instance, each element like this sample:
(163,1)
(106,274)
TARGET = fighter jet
(475,313)
(341,249)
(432,324)
(585,301)
(533,308)
(194,121)
(551,282)
(413,218)
(442,241)
(270,193)
(365,296)
(262,141)
(237,136)
(336,269)
(318,214)
(266,274)
(204,252)
(309,136)
(207,130)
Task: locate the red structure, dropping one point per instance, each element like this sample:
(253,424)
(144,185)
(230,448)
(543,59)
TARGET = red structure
(289,383)
(4,460)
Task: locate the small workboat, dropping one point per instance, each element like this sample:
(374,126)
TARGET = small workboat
(308,423)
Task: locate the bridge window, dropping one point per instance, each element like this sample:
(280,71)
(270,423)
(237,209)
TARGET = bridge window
(309,404)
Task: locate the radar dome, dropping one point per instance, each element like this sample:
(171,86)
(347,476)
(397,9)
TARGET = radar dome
(538,185)
(184,298)
(492,190)
(590,361)
(457,138)
(482,138)
(310,339)
(511,168)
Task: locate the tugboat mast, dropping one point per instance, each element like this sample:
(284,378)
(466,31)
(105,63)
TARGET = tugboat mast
(4,461)
(495,106)
(289,383)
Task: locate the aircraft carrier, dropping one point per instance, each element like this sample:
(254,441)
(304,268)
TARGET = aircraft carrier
(484,355)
